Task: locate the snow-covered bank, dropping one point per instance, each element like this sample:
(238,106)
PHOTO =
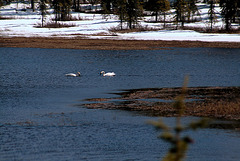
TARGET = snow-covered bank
(184,35)
(22,24)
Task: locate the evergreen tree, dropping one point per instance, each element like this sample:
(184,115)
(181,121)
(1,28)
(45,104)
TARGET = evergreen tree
(229,11)
(238,12)
(128,11)
(56,7)
(157,6)
(106,6)
(121,10)
(212,13)
(191,9)
(174,135)
(154,6)
(62,9)
(1,4)
(43,7)
(133,12)
(74,5)
(180,6)
(165,6)
(78,6)
(236,4)
(66,8)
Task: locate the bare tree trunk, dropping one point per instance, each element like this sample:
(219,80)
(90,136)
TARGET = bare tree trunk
(156,18)
(32,5)
(164,14)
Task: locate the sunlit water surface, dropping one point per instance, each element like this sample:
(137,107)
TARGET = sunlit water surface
(39,119)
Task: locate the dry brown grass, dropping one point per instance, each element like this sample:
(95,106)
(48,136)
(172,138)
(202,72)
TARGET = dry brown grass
(137,29)
(6,18)
(214,30)
(220,109)
(171,27)
(106,44)
(54,25)
(213,102)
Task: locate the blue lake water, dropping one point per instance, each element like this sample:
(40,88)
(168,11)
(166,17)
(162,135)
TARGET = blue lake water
(39,119)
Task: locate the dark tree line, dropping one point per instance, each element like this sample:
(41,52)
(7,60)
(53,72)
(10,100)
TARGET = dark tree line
(158,6)
(130,11)
(229,11)
(62,9)
(1,3)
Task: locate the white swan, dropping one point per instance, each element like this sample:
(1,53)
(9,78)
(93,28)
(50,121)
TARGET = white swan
(107,74)
(73,75)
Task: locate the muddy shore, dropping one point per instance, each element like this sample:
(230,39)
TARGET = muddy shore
(106,44)
(212,102)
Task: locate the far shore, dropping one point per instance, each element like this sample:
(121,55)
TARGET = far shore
(106,44)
